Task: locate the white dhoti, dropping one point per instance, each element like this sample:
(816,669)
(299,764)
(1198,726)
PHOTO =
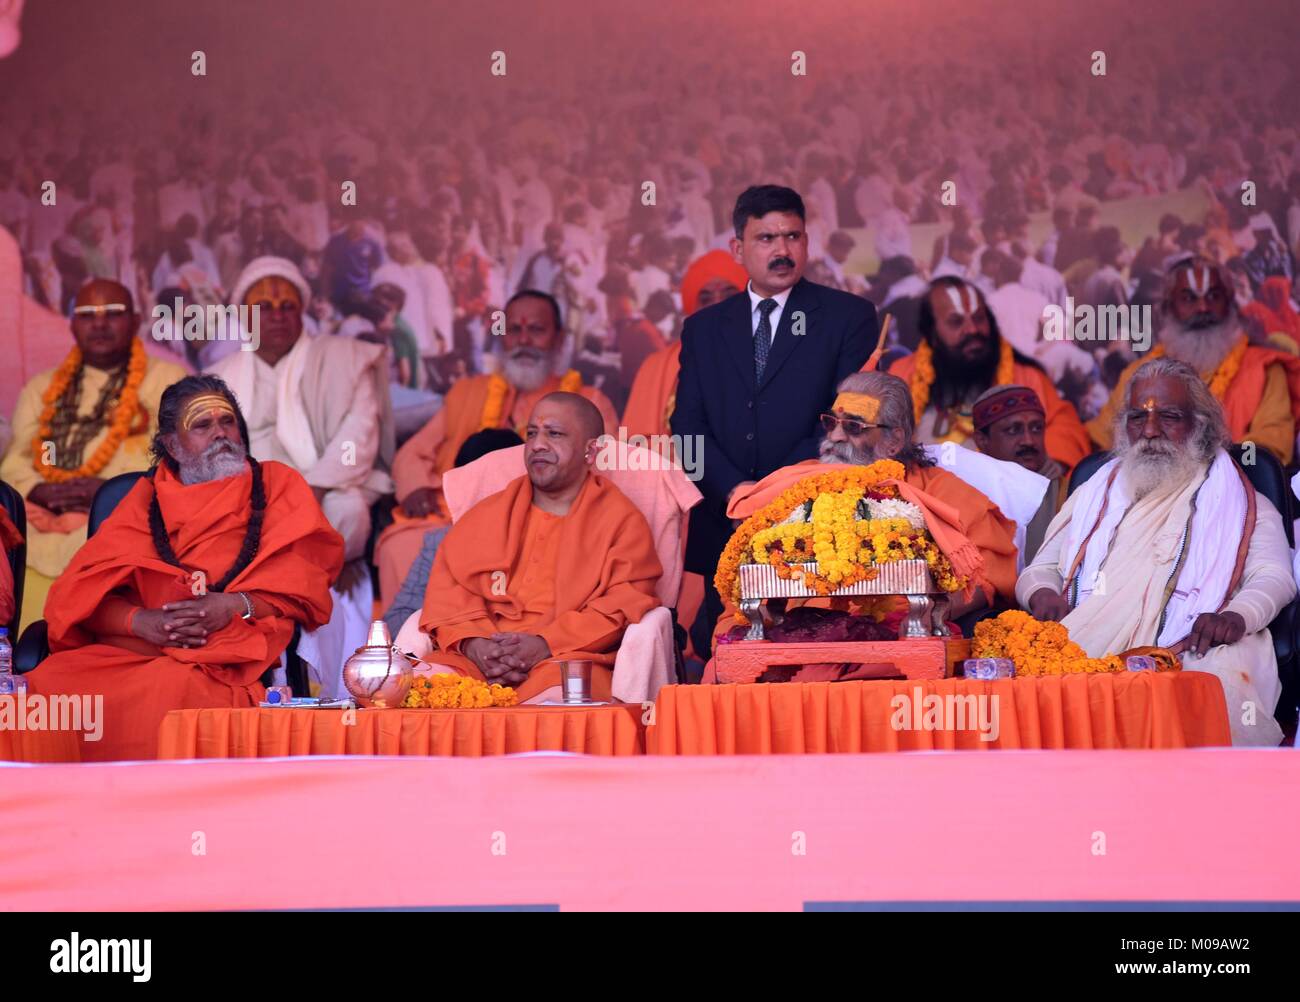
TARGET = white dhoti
(1151,567)
(324,650)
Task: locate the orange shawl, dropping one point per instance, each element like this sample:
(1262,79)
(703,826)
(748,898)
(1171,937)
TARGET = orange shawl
(300,554)
(654,390)
(605,575)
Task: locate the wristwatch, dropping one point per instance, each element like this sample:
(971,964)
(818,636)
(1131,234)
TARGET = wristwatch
(248,606)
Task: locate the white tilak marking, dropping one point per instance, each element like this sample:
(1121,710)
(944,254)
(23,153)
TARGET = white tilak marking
(1199,280)
(963,299)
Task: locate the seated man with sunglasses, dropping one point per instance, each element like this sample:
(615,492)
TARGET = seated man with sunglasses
(873,419)
(1168,544)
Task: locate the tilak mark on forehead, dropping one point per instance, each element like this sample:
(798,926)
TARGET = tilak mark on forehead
(1199,277)
(203,405)
(963,299)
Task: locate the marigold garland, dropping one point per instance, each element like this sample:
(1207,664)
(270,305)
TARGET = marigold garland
(125,416)
(846,550)
(1223,375)
(498,388)
(451,692)
(923,375)
(1037,648)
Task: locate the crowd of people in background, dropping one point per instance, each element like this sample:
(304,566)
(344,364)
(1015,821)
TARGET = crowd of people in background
(415,221)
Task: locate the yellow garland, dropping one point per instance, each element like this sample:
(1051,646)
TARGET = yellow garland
(1037,648)
(498,388)
(845,551)
(125,416)
(1224,374)
(923,374)
(452,692)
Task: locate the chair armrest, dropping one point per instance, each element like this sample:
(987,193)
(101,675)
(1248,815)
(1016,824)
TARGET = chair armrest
(33,647)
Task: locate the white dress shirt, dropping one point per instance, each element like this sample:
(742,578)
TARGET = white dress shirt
(755,314)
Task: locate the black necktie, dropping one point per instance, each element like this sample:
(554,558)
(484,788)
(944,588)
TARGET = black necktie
(763,337)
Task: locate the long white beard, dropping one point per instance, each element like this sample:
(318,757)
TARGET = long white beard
(525,373)
(1156,466)
(844,452)
(215,463)
(1202,349)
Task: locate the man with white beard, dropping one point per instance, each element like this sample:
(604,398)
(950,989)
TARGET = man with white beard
(527,354)
(192,587)
(1168,544)
(1257,386)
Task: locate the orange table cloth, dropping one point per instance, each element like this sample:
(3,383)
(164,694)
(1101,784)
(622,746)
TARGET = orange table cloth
(270,733)
(1125,710)
(39,746)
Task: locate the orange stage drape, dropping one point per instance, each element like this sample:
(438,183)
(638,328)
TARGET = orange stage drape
(1128,710)
(271,733)
(39,746)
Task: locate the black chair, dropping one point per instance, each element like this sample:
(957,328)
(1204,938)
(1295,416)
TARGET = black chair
(14,507)
(34,645)
(1266,476)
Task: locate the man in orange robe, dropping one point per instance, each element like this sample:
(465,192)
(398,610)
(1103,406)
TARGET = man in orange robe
(1258,386)
(966,353)
(190,590)
(503,400)
(555,566)
(872,420)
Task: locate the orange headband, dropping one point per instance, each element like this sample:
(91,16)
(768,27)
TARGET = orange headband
(859,405)
(201,405)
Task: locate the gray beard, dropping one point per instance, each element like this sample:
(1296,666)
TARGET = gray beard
(1202,349)
(844,452)
(214,464)
(1151,469)
(527,374)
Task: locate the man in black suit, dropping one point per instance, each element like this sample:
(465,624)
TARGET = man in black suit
(758,371)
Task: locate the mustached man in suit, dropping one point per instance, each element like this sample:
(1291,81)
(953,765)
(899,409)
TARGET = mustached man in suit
(758,371)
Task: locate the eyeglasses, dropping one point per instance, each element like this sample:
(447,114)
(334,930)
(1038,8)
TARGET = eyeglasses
(851,425)
(1168,417)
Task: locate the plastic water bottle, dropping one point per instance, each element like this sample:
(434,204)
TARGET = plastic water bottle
(7,686)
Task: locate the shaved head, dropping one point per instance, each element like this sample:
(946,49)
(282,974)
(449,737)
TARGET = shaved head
(586,413)
(104,323)
(558,444)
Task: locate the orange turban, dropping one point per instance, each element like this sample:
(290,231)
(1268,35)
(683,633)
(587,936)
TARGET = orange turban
(714,264)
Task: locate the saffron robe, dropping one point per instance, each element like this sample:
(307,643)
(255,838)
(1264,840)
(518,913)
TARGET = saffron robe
(298,556)
(576,580)
(431,452)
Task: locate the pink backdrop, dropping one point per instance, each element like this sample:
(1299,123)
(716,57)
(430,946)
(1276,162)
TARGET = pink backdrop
(585,833)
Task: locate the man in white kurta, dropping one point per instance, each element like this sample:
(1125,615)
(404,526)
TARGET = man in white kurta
(1169,545)
(321,406)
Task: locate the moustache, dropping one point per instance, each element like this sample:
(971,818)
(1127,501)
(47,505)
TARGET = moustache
(780,262)
(530,353)
(1200,321)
